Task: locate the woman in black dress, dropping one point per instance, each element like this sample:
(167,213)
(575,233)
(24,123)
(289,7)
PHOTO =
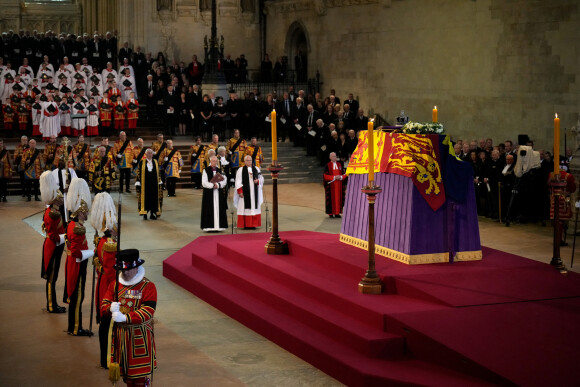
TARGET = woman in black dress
(183,114)
(206,112)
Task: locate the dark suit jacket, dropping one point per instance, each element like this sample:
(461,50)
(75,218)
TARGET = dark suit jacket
(353,105)
(360,123)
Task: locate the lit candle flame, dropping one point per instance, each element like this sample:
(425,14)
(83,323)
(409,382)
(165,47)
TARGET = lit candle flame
(556,115)
(435,107)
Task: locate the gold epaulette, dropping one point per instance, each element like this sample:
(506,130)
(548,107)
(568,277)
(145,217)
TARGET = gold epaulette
(110,246)
(79,229)
(54,214)
(96,240)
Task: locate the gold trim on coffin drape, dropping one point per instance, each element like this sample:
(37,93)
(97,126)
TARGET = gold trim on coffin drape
(412,259)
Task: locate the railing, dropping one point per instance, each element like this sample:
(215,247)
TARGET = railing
(254,79)
(380,121)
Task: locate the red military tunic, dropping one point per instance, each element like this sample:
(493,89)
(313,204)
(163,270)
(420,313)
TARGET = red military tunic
(76,243)
(564,202)
(134,345)
(104,260)
(54,228)
(334,189)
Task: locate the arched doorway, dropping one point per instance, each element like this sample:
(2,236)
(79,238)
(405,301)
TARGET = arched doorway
(298,48)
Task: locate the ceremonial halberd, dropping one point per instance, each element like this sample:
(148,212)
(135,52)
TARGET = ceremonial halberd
(426,211)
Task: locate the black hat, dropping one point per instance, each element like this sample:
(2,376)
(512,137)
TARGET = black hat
(128,259)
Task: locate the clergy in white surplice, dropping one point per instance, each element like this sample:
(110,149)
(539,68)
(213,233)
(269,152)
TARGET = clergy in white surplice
(248,196)
(213,202)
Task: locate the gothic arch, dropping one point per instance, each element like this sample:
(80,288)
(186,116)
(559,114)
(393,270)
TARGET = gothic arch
(297,39)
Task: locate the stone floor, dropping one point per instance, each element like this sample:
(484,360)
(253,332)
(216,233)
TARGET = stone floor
(196,344)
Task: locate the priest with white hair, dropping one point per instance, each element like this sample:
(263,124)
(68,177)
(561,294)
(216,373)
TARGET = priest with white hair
(248,195)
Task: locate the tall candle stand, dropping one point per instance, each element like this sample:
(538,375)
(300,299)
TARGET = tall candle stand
(371,283)
(275,245)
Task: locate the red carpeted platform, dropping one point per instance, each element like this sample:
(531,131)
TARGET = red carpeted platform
(503,320)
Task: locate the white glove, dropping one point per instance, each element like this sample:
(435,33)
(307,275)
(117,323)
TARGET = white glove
(119,317)
(179,171)
(115,307)
(165,159)
(61,239)
(119,156)
(87,254)
(137,184)
(134,161)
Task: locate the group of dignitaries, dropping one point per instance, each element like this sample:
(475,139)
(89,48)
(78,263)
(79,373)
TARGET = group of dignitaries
(124,299)
(72,100)
(214,169)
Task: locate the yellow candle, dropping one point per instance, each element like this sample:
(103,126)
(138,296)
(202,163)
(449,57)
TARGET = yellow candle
(371,150)
(274,138)
(435,114)
(556,145)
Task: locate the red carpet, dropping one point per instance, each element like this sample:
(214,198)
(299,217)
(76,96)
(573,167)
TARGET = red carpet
(503,320)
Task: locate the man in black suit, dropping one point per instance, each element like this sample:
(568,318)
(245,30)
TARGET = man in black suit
(229,65)
(150,97)
(125,52)
(353,103)
(311,137)
(96,52)
(360,122)
(300,115)
(348,116)
(285,110)
(170,108)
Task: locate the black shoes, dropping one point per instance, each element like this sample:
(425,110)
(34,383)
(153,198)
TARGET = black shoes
(28,198)
(4,199)
(145,217)
(36,199)
(153,216)
(82,332)
(57,309)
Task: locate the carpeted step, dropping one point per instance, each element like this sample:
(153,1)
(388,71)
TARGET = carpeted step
(371,341)
(330,356)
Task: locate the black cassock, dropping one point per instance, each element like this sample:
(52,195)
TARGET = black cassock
(212,212)
(150,196)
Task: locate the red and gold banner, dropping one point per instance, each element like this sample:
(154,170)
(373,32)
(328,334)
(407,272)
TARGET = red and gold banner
(411,155)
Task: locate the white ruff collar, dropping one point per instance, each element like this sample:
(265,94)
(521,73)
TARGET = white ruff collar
(135,280)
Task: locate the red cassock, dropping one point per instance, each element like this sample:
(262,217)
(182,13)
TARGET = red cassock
(76,243)
(105,256)
(334,189)
(53,228)
(134,344)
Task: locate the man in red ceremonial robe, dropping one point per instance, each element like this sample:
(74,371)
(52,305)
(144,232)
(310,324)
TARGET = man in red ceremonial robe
(53,226)
(334,186)
(133,342)
(78,202)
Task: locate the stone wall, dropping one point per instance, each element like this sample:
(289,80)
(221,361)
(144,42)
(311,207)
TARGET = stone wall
(178,30)
(493,68)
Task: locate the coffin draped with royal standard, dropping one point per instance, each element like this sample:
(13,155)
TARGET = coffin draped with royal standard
(426,212)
